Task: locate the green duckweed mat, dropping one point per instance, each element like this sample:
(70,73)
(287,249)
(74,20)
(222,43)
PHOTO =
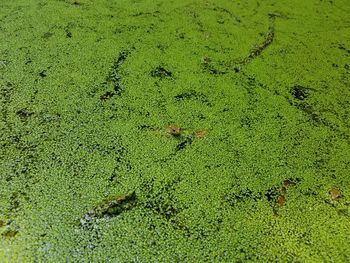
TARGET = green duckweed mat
(174,131)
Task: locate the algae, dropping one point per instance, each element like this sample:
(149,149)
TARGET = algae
(174,131)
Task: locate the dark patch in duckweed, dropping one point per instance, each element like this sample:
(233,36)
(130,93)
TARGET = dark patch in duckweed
(9,233)
(103,212)
(162,73)
(68,33)
(192,95)
(182,35)
(275,195)
(76,3)
(8,228)
(109,208)
(14,202)
(182,145)
(47,35)
(271,194)
(25,164)
(6,97)
(341,47)
(24,114)
(257,50)
(114,77)
(224,10)
(209,67)
(155,14)
(301,93)
(107,95)
(43,74)
(343,212)
(309,111)
(161,200)
(120,162)
(300,96)
(146,127)
(215,71)
(242,195)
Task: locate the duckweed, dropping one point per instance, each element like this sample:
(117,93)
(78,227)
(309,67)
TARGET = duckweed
(174,131)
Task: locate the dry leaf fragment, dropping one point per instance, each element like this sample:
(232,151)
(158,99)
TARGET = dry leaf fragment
(335,194)
(173,130)
(201,133)
(281,200)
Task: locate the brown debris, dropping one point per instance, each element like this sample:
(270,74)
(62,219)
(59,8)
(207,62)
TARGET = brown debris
(200,134)
(174,130)
(281,200)
(335,194)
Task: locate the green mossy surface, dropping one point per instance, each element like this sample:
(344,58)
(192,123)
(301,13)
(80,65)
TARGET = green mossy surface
(88,90)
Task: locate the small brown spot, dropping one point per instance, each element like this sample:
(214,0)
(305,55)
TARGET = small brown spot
(173,130)
(201,133)
(335,194)
(281,200)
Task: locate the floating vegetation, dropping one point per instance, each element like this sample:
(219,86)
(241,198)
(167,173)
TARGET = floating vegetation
(229,120)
